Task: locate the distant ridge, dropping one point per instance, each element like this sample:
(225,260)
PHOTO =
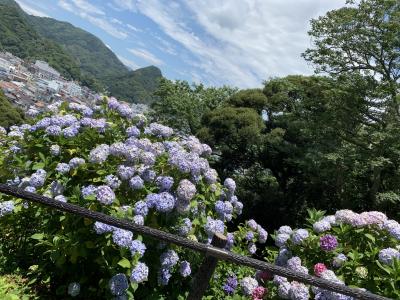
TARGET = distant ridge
(74,52)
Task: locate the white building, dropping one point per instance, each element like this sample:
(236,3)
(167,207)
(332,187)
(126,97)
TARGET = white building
(55,86)
(45,71)
(5,64)
(72,89)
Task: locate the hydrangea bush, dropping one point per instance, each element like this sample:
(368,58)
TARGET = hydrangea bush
(359,250)
(108,159)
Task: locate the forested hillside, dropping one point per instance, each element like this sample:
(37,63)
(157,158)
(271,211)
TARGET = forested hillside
(76,53)
(9,115)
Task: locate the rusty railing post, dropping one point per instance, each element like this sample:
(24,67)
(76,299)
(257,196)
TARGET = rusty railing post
(206,270)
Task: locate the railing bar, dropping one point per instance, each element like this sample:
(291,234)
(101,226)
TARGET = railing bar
(200,247)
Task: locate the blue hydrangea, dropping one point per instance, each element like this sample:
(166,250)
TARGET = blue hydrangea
(138,220)
(386,256)
(147,158)
(185,269)
(252,224)
(6,207)
(30,189)
(249,235)
(137,246)
(74,289)
(252,248)
(238,207)
(186,190)
(61,198)
(164,183)
(169,259)
(159,130)
(321,226)
(214,226)
(117,149)
(38,178)
(99,154)
(101,228)
(230,184)
(164,275)
(262,234)
(185,227)
(230,285)
(141,208)
(122,237)
(165,202)
(148,175)
(285,229)
(113,181)
(136,183)
(281,239)
(248,285)
(53,130)
(63,168)
(211,176)
(339,260)
(140,273)
(125,172)
(76,162)
(105,195)
(299,236)
(118,284)
(230,240)
(89,190)
(133,131)
(298,291)
(70,132)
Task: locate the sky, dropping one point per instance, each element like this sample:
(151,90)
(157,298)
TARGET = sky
(232,42)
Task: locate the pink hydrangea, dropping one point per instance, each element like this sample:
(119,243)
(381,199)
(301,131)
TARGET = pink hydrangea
(258,293)
(319,268)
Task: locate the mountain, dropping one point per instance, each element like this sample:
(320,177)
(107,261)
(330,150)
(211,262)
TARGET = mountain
(74,52)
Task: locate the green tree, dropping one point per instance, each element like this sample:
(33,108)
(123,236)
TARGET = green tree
(182,105)
(9,115)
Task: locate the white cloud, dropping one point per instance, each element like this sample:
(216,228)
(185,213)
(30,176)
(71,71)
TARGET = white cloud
(116,21)
(76,7)
(147,56)
(87,7)
(131,27)
(242,42)
(31,11)
(125,5)
(129,63)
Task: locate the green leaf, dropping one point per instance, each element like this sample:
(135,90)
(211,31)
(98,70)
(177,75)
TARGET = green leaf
(38,166)
(38,236)
(370,236)
(125,263)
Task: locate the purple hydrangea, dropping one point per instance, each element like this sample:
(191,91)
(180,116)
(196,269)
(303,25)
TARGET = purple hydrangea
(299,236)
(230,285)
(70,132)
(285,229)
(252,248)
(386,256)
(118,284)
(117,149)
(125,172)
(148,175)
(262,234)
(185,269)
(136,183)
(105,195)
(140,273)
(164,276)
(6,207)
(321,226)
(214,226)
(133,131)
(38,178)
(298,291)
(211,176)
(159,130)
(123,238)
(328,242)
(249,235)
(137,246)
(281,239)
(164,183)
(252,224)
(141,208)
(63,168)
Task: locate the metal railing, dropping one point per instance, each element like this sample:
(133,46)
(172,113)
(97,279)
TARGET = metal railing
(213,252)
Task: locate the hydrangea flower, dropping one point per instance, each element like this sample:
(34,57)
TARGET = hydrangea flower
(55,150)
(185,227)
(140,273)
(165,202)
(339,260)
(164,183)
(321,226)
(164,276)
(136,183)
(169,259)
(113,181)
(281,239)
(386,256)
(101,228)
(63,168)
(122,237)
(138,220)
(88,191)
(99,154)
(319,268)
(53,130)
(137,246)
(6,207)
(125,172)
(186,190)
(298,291)
(258,293)
(141,208)
(38,178)
(299,236)
(118,284)
(230,285)
(230,184)
(133,131)
(74,289)
(248,285)
(328,242)
(185,269)
(61,198)
(76,162)
(285,230)
(105,195)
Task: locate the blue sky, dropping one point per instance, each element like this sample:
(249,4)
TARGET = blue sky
(230,42)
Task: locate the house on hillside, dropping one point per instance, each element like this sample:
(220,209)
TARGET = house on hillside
(72,89)
(43,70)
